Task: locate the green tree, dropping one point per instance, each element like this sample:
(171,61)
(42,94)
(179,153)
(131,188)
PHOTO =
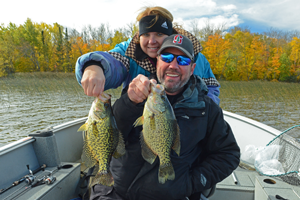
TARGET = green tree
(8,53)
(119,36)
(285,67)
(29,45)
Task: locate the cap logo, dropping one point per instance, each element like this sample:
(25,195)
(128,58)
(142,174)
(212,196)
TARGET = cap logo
(177,39)
(164,25)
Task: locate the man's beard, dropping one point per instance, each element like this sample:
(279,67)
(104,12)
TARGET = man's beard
(175,87)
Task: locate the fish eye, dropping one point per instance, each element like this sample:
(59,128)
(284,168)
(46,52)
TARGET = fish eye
(106,105)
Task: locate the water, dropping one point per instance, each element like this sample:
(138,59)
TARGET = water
(32,102)
(272,103)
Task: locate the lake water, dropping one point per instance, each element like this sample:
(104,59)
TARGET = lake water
(32,102)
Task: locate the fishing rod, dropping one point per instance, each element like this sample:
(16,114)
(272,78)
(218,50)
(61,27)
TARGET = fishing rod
(27,178)
(46,179)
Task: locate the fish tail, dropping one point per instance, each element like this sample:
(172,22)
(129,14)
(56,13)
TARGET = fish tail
(104,178)
(166,172)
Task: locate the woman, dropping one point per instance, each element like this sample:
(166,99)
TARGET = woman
(99,71)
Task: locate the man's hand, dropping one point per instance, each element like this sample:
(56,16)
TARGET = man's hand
(93,80)
(139,89)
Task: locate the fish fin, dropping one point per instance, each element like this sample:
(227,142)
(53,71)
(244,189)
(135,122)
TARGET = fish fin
(120,150)
(166,172)
(104,178)
(139,121)
(176,141)
(87,156)
(84,127)
(147,153)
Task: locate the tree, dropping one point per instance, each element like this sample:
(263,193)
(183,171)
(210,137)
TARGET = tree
(258,58)
(295,56)
(67,60)
(8,53)
(284,68)
(215,50)
(29,45)
(241,45)
(118,37)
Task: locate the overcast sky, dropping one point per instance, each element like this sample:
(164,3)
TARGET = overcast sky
(257,15)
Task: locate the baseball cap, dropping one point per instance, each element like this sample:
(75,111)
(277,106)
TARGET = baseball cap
(180,42)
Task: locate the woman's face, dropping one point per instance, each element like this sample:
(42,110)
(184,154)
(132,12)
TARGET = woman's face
(151,42)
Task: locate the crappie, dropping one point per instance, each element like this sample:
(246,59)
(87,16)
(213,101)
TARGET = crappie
(102,140)
(160,132)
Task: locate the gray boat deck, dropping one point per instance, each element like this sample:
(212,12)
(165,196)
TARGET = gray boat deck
(252,186)
(65,186)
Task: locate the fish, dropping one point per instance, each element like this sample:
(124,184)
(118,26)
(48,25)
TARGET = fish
(102,140)
(160,132)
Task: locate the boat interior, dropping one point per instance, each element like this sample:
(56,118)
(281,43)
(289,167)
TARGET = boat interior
(57,148)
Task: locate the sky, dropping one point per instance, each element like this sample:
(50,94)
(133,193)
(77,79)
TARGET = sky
(256,15)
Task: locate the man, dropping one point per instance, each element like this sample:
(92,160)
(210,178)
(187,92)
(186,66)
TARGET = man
(209,152)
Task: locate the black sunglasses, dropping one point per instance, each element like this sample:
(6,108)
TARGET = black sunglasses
(181,60)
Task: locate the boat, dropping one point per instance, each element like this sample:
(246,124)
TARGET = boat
(53,155)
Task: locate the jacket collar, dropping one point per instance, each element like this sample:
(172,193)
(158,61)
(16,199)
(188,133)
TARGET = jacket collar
(135,52)
(196,88)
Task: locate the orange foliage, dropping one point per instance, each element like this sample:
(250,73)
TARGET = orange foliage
(214,50)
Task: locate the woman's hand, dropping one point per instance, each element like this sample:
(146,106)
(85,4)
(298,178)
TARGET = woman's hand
(93,80)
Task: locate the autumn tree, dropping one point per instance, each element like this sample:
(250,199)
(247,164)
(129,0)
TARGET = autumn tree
(215,50)
(233,55)
(29,46)
(119,36)
(67,66)
(295,57)
(8,53)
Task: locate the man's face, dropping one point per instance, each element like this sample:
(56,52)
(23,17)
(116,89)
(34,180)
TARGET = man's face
(172,75)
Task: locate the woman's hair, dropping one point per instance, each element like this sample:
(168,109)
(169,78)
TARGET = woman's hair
(158,11)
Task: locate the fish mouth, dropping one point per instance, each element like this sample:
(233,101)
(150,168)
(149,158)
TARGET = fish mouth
(157,88)
(104,97)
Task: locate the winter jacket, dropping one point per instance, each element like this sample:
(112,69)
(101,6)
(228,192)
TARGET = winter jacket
(208,154)
(127,60)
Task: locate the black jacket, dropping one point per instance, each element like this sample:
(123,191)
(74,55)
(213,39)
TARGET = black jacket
(209,152)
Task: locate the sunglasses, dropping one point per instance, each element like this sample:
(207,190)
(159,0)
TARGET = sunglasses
(181,60)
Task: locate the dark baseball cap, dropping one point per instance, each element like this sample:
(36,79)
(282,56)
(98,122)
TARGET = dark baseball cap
(180,42)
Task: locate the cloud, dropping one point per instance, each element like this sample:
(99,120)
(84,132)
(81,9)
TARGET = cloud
(275,13)
(205,12)
(281,14)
